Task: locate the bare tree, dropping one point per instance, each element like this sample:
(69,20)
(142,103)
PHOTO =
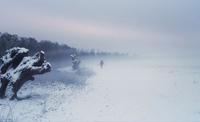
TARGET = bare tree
(18,68)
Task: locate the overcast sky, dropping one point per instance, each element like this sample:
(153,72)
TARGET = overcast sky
(136,26)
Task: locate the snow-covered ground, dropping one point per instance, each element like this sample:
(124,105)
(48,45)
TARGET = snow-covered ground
(124,90)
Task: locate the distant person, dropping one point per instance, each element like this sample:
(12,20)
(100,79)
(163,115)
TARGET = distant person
(101,64)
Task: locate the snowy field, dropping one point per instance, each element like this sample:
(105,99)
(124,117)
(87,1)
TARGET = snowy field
(151,89)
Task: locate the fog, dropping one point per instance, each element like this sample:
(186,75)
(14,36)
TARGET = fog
(147,89)
(125,89)
(159,81)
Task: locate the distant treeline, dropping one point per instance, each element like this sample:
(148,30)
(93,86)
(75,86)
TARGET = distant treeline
(51,49)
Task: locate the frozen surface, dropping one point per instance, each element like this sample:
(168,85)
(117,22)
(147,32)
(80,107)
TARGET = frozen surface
(124,90)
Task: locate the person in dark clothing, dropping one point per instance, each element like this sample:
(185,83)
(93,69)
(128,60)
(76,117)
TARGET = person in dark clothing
(101,64)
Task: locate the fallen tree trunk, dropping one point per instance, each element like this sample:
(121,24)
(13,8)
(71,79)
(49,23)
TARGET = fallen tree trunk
(15,76)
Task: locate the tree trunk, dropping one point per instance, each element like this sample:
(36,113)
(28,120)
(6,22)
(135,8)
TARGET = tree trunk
(18,69)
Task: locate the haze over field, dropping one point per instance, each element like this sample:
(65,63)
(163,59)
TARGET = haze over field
(124,90)
(158,81)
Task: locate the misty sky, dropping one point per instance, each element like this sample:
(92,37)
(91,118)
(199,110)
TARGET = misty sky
(137,26)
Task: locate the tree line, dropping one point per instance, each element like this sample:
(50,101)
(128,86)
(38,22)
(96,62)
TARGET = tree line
(52,49)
